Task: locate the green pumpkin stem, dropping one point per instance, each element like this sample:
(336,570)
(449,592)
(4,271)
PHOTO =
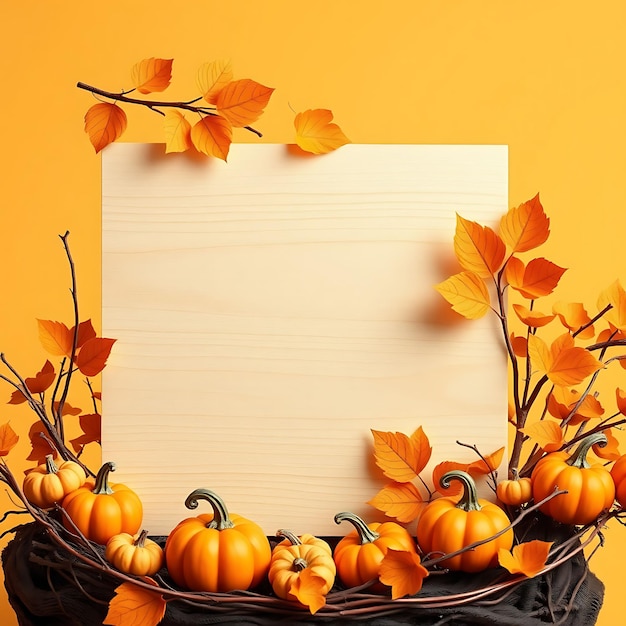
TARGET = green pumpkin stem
(141,539)
(299,564)
(579,458)
(287,534)
(366,534)
(51,466)
(102,479)
(469,499)
(220,520)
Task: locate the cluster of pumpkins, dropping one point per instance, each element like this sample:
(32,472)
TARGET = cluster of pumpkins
(222,552)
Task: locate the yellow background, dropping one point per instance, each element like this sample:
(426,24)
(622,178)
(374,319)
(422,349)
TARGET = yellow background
(546,78)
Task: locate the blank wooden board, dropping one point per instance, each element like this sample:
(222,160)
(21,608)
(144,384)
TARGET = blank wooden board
(270,311)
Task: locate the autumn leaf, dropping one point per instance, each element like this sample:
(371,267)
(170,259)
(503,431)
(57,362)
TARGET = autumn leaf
(17,397)
(133,605)
(212,135)
(105,122)
(402,501)
(574,316)
(525,227)
(55,337)
(93,355)
(519,345)
(487,464)
(85,332)
(539,278)
(317,133)
(478,248)
(528,558)
(242,101)
(546,434)
(177,132)
(212,78)
(308,588)
(534,319)
(615,297)
(620,398)
(8,439)
(39,444)
(400,457)
(455,487)
(562,401)
(152,75)
(42,380)
(610,451)
(403,572)
(467,293)
(91,425)
(68,409)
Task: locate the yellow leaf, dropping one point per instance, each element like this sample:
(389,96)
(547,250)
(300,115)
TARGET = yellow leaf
(104,123)
(547,434)
(212,136)
(242,102)
(317,133)
(308,588)
(528,558)
(534,319)
(135,606)
(403,572)
(525,227)
(152,75)
(402,501)
(8,439)
(400,457)
(539,353)
(55,337)
(478,248)
(212,78)
(177,132)
(615,296)
(467,293)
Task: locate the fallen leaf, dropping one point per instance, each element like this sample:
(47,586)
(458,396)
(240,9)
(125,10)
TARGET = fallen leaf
(478,248)
(403,572)
(105,122)
(317,133)
(546,434)
(614,296)
(212,77)
(528,558)
(400,457)
(177,132)
(212,135)
(152,75)
(539,278)
(402,501)
(467,293)
(42,380)
(574,316)
(135,606)
(525,227)
(55,337)
(534,319)
(308,588)
(8,439)
(93,355)
(242,101)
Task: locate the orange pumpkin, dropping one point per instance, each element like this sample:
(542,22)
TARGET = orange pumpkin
(291,540)
(134,554)
(100,510)
(216,552)
(449,525)
(590,489)
(618,474)
(359,554)
(48,483)
(516,491)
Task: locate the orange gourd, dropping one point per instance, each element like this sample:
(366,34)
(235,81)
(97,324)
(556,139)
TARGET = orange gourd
(100,510)
(448,525)
(216,552)
(134,554)
(49,483)
(618,474)
(590,488)
(290,540)
(516,491)
(359,554)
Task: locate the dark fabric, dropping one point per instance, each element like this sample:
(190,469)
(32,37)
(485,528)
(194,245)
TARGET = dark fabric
(42,596)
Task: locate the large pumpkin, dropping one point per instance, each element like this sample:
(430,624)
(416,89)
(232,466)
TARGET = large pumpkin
(448,525)
(590,488)
(216,552)
(100,510)
(49,483)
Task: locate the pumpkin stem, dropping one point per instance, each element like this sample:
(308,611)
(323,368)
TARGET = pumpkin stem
(287,534)
(469,499)
(51,466)
(579,458)
(102,479)
(141,539)
(366,534)
(299,564)
(220,520)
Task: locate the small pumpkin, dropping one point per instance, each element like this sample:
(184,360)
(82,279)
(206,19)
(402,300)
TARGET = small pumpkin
(134,554)
(618,474)
(49,483)
(590,488)
(307,539)
(359,554)
(515,491)
(291,557)
(100,510)
(216,552)
(450,524)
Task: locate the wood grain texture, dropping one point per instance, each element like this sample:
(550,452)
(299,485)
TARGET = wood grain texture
(270,311)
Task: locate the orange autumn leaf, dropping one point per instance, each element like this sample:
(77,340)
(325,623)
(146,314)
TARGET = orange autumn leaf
(528,558)
(546,434)
(242,101)
(85,332)
(91,426)
(212,135)
(400,457)
(212,77)
(317,133)
(534,319)
(42,380)
(68,409)
(574,316)
(455,487)
(467,293)
(478,248)
(17,397)
(610,451)
(614,296)
(39,444)
(105,122)
(402,501)
(562,401)
(487,464)
(93,355)
(308,588)
(55,337)
(403,572)
(525,227)
(133,605)
(152,75)
(177,132)
(539,278)
(519,345)
(620,399)
(8,439)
